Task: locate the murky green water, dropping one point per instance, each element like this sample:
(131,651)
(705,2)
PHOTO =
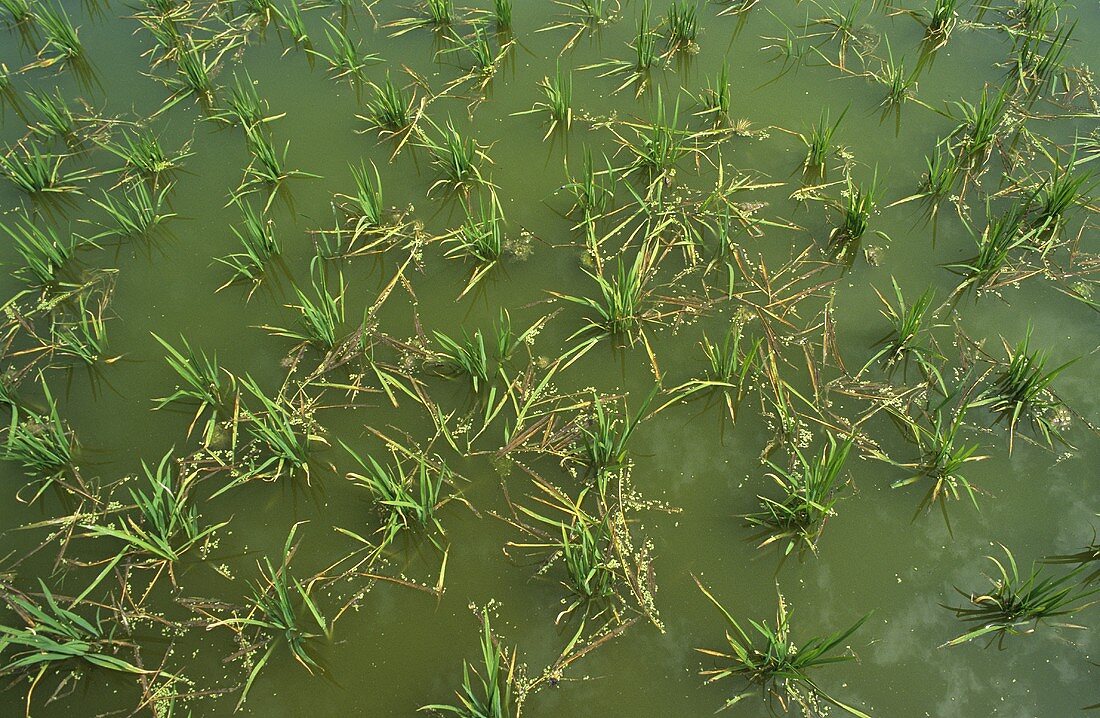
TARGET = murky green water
(692,473)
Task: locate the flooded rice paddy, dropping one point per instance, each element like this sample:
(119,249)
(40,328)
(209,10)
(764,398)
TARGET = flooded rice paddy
(544,358)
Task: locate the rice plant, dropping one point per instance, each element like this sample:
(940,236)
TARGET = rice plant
(858,205)
(588,546)
(321,315)
(267,168)
(61,34)
(343,56)
(457,158)
(941,20)
(605,436)
(18,11)
(278,598)
(83,337)
(645,55)
(479,48)
(202,380)
(367,204)
(593,190)
(407,498)
(1016,604)
(480,239)
(819,141)
(164,522)
(38,442)
(589,560)
(645,43)
(716,98)
(256,235)
(1038,60)
(56,119)
(1033,16)
(729,368)
(682,22)
(906,340)
(660,144)
(283,433)
(981,125)
(485,693)
(389,108)
(53,636)
(244,106)
(1021,390)
(942,172)
(891,74)
(810,492)
(34,171)
(1058,193)
(43,250)
(291,16)
(772,662)
(193,71)
(557,101)
(466,357)
(1002,236)
(433,14)
(136,213)
(259,11)
(502,14)
(143,154)
(944,458)
(619,309)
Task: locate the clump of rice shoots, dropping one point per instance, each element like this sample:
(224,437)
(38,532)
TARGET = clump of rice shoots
(716,97)
(682,21)
(143,154)
(485,692)
(202,382)
(321,315)
(56,118)
(389,108)
(944,458)
(407,498)
(819,141)
(557,92)
(256,235)
(136,213)
(277,602)
(343,57)
(18,11)
(1021,391)
(772,662)
(39,442)
(1016,604)
(433,14)
(906,340)
(810,493)
(62,39)
(606,435)
(858,205)
(44,251)
(1002,236)
(458,159)
(52,638)
(164,522)
(941,20)
(981,125)
(34,171)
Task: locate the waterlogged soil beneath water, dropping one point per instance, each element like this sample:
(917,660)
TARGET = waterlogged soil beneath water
(419,344)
